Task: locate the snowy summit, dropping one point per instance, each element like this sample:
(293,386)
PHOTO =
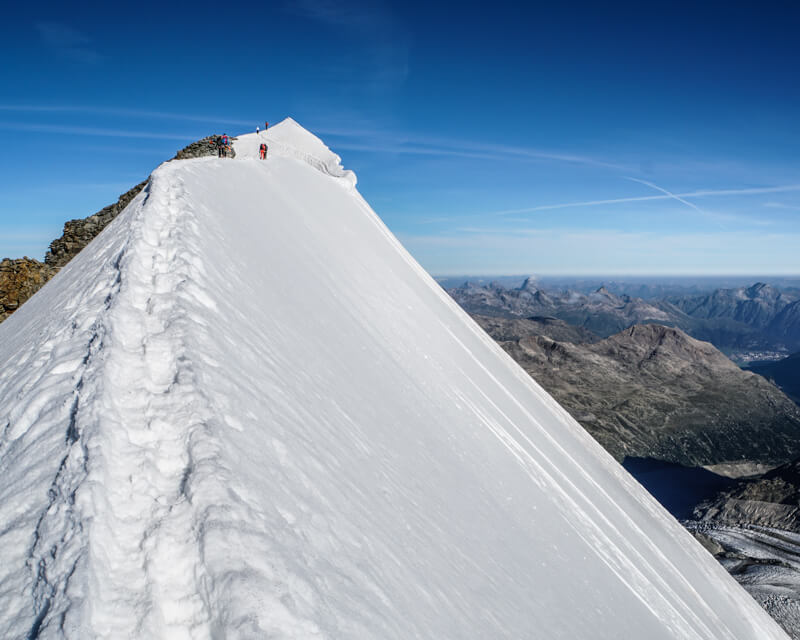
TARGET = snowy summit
(244,411)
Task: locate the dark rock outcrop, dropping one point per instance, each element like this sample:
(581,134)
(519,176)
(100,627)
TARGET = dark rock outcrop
(202,148)
(19,280)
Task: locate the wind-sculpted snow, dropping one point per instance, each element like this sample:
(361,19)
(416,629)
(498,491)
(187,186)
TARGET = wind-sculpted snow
(244,411)
(289,140)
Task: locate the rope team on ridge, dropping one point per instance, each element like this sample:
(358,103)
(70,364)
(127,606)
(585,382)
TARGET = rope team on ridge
(262,149)
(223,144)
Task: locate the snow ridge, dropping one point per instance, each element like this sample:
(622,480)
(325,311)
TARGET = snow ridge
(59,540)
(288,139)
(150,439)
(245,411)
(50,375)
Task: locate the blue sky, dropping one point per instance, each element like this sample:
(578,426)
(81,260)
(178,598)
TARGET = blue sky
(647,138)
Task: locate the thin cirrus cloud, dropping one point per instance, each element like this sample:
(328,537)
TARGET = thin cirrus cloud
(68,42)
(123,112)
(669,194)
(349,139)
(90,131)
(690,194)
(416,150)
(387,142)
(782,205)
(712,215)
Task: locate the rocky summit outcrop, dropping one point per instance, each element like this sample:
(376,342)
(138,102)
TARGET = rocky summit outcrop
(21,278)
(654,392)
(203,148)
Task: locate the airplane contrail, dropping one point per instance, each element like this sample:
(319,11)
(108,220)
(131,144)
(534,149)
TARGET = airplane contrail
(667,193)
(690,194)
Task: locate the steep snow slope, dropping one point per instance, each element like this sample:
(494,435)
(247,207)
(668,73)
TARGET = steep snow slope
(244,411)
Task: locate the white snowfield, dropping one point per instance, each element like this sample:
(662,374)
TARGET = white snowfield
(245,412)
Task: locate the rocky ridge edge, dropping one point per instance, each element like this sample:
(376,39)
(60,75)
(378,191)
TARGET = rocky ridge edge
(22,277)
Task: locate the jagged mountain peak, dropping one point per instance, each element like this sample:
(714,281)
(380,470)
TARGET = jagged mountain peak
(658,342)
(650,332)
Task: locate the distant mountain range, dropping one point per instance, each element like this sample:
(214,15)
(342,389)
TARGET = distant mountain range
(646,287)
(756,318)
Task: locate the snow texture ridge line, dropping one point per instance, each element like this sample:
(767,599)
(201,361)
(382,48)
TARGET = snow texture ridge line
(678,609)
(66,359)
(151,430)
(289,140)
(244,411)
(630,558)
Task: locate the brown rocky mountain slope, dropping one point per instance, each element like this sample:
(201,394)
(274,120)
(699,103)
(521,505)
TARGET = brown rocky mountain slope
(502,328)
(654,392)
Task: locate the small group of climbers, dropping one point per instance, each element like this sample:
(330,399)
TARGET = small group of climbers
(222,144)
